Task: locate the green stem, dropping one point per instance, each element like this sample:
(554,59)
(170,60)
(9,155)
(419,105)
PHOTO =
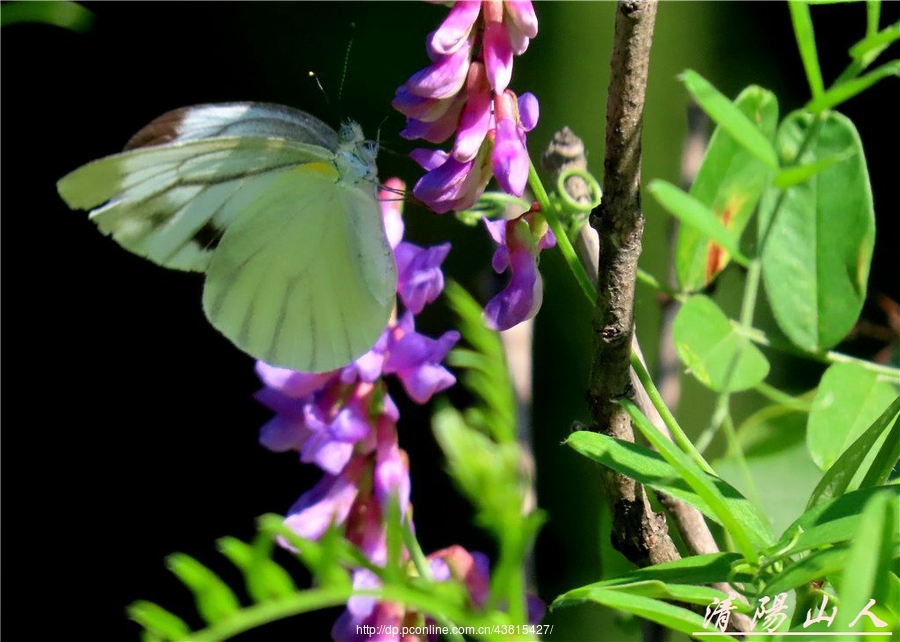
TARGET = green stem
(830,356)
(562,239)
(774,394)
(677,433)
(735,450)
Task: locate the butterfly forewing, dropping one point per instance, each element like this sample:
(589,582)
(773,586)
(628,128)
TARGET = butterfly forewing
(241,119)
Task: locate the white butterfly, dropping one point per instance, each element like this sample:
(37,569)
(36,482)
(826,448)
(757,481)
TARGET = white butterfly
(278,210)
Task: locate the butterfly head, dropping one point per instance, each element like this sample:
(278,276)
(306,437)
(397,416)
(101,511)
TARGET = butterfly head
(355,156)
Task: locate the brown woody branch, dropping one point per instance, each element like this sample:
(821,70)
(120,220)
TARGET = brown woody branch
(638,533)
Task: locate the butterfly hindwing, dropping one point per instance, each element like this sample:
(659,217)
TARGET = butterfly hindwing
(290,280)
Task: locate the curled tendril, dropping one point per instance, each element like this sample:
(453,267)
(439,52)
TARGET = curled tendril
(494,205)
(571,204)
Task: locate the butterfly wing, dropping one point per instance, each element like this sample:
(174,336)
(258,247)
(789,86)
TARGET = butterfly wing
(304,278)
(298,269)
(172,203)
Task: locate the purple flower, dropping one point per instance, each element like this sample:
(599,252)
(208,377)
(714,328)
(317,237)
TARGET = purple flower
(476,119)
(498,53)
(451,184)
(311,426)
(416,360)
(519,247)
(510,156)
(522,24)
(443,78)
(455,29)
(327,503)
(420,280)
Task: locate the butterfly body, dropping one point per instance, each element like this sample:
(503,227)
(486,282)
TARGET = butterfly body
(275,207)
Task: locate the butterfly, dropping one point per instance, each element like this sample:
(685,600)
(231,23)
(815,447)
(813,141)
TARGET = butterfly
(275,207)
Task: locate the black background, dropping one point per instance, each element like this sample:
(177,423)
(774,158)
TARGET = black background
(128,426)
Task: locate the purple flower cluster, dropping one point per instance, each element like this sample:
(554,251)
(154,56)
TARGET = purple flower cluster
(344,422)
(465,91)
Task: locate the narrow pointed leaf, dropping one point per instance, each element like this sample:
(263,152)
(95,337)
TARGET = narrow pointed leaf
(871,552)
(691,211)
(158,621)
(215,601)
(818,248)
(839,477)
(696,569)
(731,119)
(833,521)
(263,577)
(806,42)
(670,616)
(808,569)
(847,90)
(748,537)
(730,182)
(649,468)
(799,173)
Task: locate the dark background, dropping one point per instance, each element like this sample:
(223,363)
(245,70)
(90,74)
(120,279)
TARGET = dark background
(129,427)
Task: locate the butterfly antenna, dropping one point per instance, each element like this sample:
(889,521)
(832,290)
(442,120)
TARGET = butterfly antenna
(346,63)
(315,77)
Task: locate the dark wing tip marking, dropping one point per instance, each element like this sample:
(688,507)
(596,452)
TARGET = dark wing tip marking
(159,131)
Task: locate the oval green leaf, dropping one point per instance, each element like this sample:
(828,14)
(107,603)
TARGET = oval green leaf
(817,250)
(708,345)
(849,400)
(730,182)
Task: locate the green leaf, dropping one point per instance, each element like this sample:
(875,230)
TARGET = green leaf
(263,577)
(485,368)
(696,569)
(871,551)
(709,346)
(730,182)
(837,479)
(850,88)
(831,522)
(806,42)
(800,173)
(158,621)
(649,468)
(814,567)
(776,472)
(747,537)
(817,250)
(485,471)
(215,601)
(691,211)
(731,119)
(68,15)
(647,588)
(849,399)
(670,616)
